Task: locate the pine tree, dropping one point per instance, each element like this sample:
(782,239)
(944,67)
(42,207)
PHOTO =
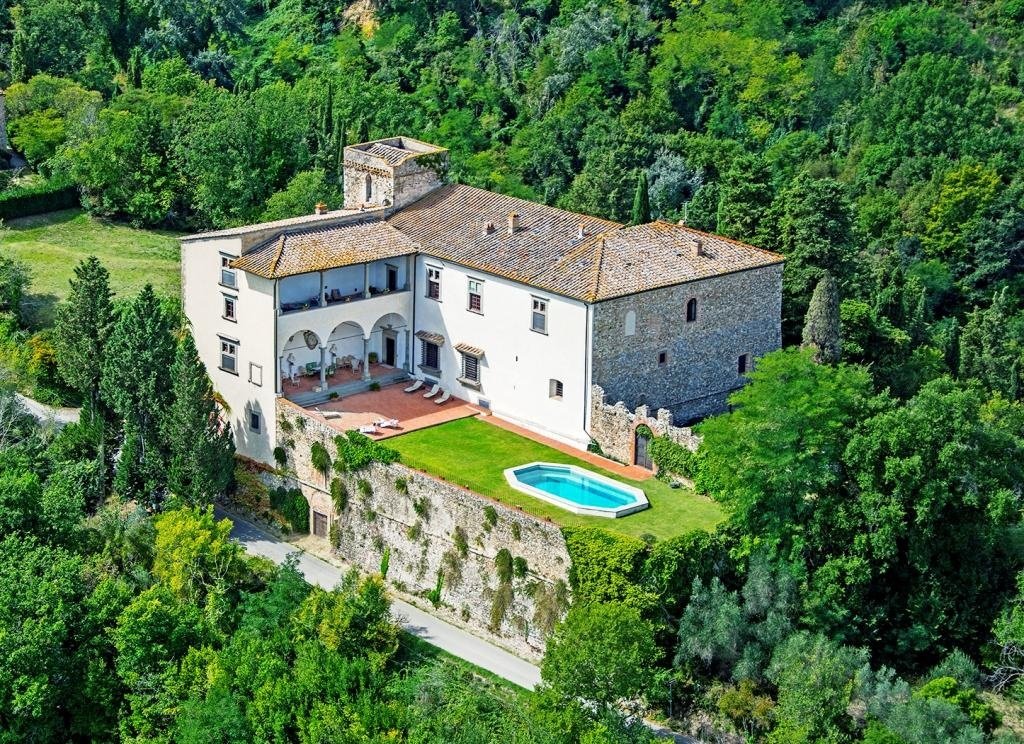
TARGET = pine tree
(136,384)
(641,201)
(745,198)
(82,327)
(201,446)
(821,325)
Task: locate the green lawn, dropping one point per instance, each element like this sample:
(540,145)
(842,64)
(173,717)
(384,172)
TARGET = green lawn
(474,454)
(53,244)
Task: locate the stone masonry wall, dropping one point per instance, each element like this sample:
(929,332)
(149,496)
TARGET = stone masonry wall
(613,426)
(419,521)
(737,314)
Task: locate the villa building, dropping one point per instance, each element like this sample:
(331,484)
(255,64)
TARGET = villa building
(511,306)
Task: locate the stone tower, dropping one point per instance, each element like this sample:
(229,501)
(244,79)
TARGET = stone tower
(392,172)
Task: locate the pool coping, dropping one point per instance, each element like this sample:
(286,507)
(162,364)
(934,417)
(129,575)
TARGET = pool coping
(570,506)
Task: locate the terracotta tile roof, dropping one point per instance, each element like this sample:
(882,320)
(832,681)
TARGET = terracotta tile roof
(323,248)
(449,223)
(387,153)
(660,254)
(288,222)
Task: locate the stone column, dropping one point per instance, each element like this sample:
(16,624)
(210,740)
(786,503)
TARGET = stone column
(366,360)
(410,266)
(366,280)
(408,352)
(278,376)
(323,367)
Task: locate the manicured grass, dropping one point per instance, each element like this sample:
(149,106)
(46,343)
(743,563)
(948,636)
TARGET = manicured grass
(53,244)
(474,454)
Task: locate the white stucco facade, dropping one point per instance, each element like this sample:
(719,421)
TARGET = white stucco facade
(518,364)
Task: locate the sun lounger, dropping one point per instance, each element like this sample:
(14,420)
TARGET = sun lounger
(368,429)
(416,385)
(432,392)
(443,398)
(386,423)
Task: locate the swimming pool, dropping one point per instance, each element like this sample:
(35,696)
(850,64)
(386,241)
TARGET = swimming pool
(576,489)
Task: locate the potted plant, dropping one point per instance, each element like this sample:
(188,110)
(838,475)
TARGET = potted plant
(373,357)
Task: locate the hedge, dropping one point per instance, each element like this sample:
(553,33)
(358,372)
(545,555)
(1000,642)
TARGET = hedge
(292,505)
(46,197)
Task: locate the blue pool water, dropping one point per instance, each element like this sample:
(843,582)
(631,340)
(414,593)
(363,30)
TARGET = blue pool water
(574,486)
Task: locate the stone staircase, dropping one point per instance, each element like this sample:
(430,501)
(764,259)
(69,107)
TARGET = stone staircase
(311,398)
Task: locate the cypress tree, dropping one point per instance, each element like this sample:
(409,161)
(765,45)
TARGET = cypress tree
(641,201)
(821,325)
(136,384)
(82,327)
(202,448)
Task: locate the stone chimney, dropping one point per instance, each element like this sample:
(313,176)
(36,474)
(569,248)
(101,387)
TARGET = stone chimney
(320,208)
(488,228)
(582,233)
(698,247)
(513,222)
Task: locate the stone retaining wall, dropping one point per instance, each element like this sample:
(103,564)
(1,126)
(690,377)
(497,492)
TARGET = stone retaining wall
(614,427)
(429,528)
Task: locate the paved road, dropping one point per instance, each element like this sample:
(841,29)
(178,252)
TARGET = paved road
(42,412)
(434,631)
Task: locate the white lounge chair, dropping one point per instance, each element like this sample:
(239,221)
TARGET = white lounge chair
(443,398)
(416,385)
(368,429)
(329,414)
(432,392)
(386,423)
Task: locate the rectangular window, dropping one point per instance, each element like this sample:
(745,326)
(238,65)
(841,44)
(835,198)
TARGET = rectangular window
(555,389)
(476,296)
(255,374)
(227,274)
(229,356)
(230,306)
(254,420)
(431,355)
(433,283)
(470,368)
(662,358)
(743,364)
(539,317)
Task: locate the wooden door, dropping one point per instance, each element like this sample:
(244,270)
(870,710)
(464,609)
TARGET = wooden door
(319,524)
(641,452)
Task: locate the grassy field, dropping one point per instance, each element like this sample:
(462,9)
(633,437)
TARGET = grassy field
(474,454)
(53,244)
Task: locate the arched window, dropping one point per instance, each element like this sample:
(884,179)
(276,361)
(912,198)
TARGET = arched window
(369,187)
(630,322)
(691,310)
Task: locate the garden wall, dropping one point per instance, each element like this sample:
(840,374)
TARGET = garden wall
(613,427)
(431,528)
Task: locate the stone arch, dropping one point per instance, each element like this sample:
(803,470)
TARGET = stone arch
(691,310)
(345,340)
(299,350)
(390,338)
(368,188)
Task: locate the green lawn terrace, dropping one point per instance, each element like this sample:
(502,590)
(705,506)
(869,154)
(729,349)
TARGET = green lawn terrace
(474,454)
(53,244)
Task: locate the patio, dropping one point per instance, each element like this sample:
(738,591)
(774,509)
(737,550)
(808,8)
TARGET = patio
(411,410)
(342,376)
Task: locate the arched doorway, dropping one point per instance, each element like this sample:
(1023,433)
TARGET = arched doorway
(390,339)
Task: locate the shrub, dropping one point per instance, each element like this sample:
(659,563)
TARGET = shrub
(401,485)
(292,506)
(671,458)
(490,517)
(499,605)
(517,531)
(374,386)
(364,487)
(300,423)
(319,458)
(45,197)
(606,567)
(503,563)
(339,495)
(250,492)
(334,534)
(434,595)
(422,508)
(356,451)
(451,564)
(519,567)
(414,531)
(461,541)
(385,560)
(280,456)
(286,425)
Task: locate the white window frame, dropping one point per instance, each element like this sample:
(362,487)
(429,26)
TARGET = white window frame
(475,287)
(232,302)
(256,374)
(228,350)
(434,280)
(226,272)
(539,309)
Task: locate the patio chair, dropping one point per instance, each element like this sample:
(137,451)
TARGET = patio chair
(368,429)
(386,423)
(416,385)
(443,398)
(328,414)
(312,368)
(432,392)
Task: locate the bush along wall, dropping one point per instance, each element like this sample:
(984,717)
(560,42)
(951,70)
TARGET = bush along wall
(292,505)
(670,458)
(46,197)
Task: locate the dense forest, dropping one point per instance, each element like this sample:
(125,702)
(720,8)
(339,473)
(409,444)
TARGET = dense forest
(868,584)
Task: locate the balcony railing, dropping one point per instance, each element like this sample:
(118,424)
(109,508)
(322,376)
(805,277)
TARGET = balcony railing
(334,297)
